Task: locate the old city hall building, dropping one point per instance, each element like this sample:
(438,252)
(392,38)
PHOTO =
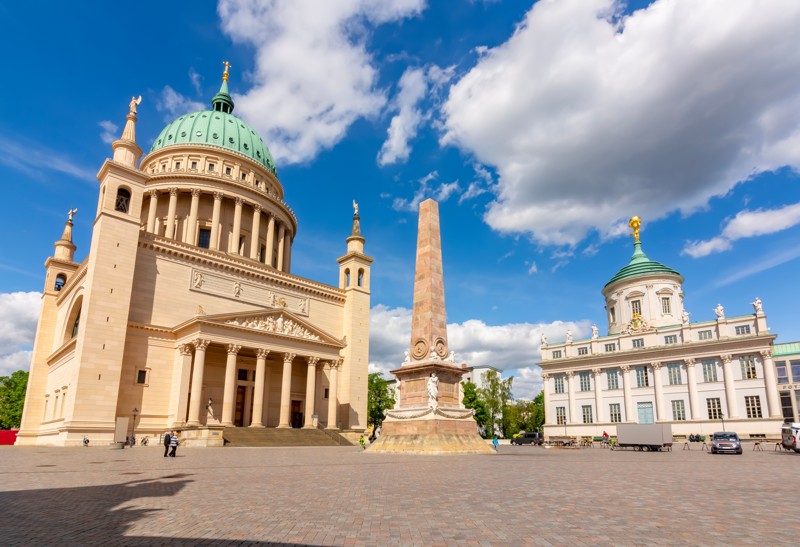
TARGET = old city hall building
(185,308)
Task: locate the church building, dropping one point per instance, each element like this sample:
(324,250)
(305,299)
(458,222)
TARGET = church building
(185,314)
(656,366)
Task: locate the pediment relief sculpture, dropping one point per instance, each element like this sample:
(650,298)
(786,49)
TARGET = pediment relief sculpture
(276,325)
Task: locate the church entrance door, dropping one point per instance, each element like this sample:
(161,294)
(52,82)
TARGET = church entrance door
(297,414)
(238,414)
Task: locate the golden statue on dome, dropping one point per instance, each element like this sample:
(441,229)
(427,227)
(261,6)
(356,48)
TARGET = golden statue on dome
(225,74)
(635,224)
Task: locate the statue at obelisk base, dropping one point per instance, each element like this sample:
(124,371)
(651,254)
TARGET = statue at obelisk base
(429,416)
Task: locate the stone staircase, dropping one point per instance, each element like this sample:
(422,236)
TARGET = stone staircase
(270,436)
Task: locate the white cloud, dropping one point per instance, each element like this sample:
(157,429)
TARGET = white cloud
(19,312)
(404,124)
(32,159)
(747,224)
(109,133)
(173,104)
(197,81)
(759,265)
(313,76)
(509,348)
(533,268)
(598,117)
(440,192)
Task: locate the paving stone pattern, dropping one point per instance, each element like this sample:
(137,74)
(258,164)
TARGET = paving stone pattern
(344,496)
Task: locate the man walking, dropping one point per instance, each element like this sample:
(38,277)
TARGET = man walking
(173,443)
(167,438)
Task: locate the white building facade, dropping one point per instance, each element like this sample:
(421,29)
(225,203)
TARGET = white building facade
(655,366)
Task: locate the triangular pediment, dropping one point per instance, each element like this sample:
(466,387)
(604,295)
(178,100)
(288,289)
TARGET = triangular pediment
(279,322)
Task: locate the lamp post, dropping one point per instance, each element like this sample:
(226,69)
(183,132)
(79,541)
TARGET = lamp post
(133,428)
(722,415)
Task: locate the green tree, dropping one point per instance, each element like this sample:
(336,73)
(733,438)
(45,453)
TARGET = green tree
(471,400)
(12,398)
(379,398)
(495,394)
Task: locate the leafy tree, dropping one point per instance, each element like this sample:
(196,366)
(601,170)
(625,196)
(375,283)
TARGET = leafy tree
(471,400)
(12,398)
(379,398)
(495,394)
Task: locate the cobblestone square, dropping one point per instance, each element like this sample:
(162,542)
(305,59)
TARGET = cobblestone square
(344,496)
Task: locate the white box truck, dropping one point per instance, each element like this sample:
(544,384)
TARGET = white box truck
(652,437)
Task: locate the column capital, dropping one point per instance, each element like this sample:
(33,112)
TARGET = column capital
(257,208)
(766,353)
(689,362)
(570,373)
(186,349)
(218,196)
(201,344)
(625,368)
(233,349)
(153,194)
(545,376)
(288,357)
(312,361)
(726,359)
(597,371)
(239,201)
(656,365)
(173,192)
(262,353)
(196,192)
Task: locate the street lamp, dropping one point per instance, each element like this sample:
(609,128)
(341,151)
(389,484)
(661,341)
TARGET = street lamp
(722,415)
(133,428)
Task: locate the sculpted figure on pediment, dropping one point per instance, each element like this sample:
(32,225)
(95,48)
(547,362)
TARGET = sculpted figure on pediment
(279,324)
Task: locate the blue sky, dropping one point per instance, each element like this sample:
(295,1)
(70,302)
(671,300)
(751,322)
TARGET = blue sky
(540,128)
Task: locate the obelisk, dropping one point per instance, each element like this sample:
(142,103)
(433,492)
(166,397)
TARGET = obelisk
(429,416)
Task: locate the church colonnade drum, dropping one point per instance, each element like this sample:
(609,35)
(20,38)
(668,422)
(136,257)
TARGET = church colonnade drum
(569,384)
(221,221)
(202,408)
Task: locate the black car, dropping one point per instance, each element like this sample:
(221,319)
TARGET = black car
(528,438)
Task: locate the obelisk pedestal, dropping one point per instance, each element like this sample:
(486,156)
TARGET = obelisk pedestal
(428,417)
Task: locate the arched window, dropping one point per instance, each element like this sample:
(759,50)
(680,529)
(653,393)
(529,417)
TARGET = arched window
(347,277)
(60,280)
(123,202)
(360,277)
(73,320)
(75,325)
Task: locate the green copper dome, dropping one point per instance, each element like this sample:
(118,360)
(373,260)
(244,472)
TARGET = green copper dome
(640,265)
(217,128)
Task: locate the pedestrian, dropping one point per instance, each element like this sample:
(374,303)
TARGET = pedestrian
(85,440)
(173,444)
(495,442)
(362,442)
(167,438)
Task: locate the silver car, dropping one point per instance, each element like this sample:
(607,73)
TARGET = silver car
(725,441)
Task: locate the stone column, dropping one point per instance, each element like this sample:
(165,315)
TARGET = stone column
(730,388)
(180,378)
(333,402)
(657,383)
(270,240)
(630,412)
(229,393)
(256,227)
(571,394)
(691,379)
(151,213)
(173,205)
(286,391)
(311,388)
(197,380)
(548,416)
(258,391)
(287,252)
(237,225)
(598,394)
(191,229)
(770,379)
(281,243)
(214,245)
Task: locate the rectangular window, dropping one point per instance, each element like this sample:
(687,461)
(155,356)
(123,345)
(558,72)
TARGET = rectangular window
(714,408)
(666,308)
(748,367)
(613,379)
(587,413)
(561,415)
(243,175)
(228,171)
(636,307)
(325,395)
(241,245)
(559,383)
(262,253)
(638,342)
(614,412)
(742,329)
(795,364)
(671,339)
(141,376)
(242,374)
(611,347)
(642,378)
(204,238)
(705,335)
(709,370)
(177,165)
(674,371)
(783,374)
(194,165)
(212,166)
(786,405)
(586,381)
(678,411)
(556,354)
(612,315)
(753,405)
(583,351)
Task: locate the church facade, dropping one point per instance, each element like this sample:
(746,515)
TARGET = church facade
(656,366)
(185,313)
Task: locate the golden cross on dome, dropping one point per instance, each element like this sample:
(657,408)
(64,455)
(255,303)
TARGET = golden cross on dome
(225,74)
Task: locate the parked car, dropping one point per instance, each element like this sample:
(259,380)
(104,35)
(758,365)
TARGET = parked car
(528,438)
(725,441)
(790,436)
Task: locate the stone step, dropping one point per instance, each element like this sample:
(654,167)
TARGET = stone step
(270,436)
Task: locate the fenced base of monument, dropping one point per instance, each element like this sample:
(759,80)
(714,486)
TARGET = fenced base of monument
(430,434)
